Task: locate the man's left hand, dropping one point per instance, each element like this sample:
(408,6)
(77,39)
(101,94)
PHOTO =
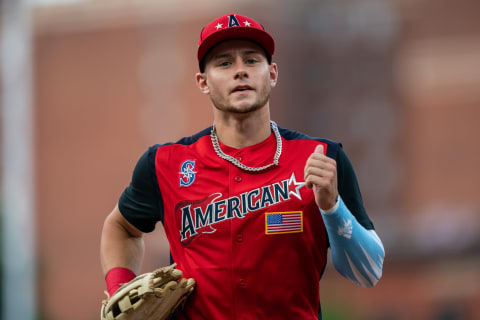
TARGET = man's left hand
(321,174)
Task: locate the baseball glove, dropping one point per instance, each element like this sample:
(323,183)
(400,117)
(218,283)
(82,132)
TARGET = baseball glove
(150,296)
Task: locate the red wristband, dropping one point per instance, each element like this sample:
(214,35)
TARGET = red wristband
(116,277)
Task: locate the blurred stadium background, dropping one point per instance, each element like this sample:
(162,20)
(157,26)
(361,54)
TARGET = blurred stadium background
(87,86)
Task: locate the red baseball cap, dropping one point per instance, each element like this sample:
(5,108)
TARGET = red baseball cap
(233,26)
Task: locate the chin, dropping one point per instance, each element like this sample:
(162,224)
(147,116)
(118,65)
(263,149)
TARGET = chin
(243,109)
(240,107)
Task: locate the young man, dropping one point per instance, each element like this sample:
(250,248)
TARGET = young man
(249,208)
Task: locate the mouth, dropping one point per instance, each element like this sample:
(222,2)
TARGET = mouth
(243,88)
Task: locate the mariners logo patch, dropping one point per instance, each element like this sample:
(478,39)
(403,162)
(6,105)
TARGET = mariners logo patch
(283,222)
(187,173)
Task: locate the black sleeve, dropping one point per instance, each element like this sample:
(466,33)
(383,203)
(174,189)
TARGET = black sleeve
(141,202)
(349,190)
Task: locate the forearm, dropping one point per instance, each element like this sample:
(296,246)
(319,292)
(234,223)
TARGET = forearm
(119,247)
(357,253)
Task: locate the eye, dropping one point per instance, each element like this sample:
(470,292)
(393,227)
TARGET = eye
(251,61)
(224,63)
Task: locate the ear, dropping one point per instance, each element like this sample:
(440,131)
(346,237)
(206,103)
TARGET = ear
(273,71)
(201,79)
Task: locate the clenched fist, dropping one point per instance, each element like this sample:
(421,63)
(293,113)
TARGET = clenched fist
(321,174)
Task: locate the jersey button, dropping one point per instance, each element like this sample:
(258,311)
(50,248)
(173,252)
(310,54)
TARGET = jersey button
(238,178)
(239,237)
(239,158)
(241,282)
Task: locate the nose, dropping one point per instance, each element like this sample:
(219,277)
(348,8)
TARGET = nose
(241,75)
(241,71)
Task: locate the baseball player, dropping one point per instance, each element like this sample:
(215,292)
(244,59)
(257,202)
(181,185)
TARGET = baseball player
(249,208)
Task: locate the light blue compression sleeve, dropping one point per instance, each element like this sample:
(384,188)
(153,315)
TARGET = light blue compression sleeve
(357,253)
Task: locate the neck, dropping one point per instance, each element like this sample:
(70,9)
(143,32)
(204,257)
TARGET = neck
(239,133)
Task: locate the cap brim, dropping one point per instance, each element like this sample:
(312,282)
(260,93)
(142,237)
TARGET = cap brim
(262,37)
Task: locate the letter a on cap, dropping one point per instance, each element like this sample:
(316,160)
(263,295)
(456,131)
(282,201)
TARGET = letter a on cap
(232,21)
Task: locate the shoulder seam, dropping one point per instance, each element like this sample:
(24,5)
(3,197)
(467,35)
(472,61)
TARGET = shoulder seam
(332,152)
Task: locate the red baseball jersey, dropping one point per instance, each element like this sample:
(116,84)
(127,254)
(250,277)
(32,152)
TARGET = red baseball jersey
(255,242)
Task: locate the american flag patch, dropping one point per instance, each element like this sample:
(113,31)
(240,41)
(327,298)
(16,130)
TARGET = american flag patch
(283,222)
